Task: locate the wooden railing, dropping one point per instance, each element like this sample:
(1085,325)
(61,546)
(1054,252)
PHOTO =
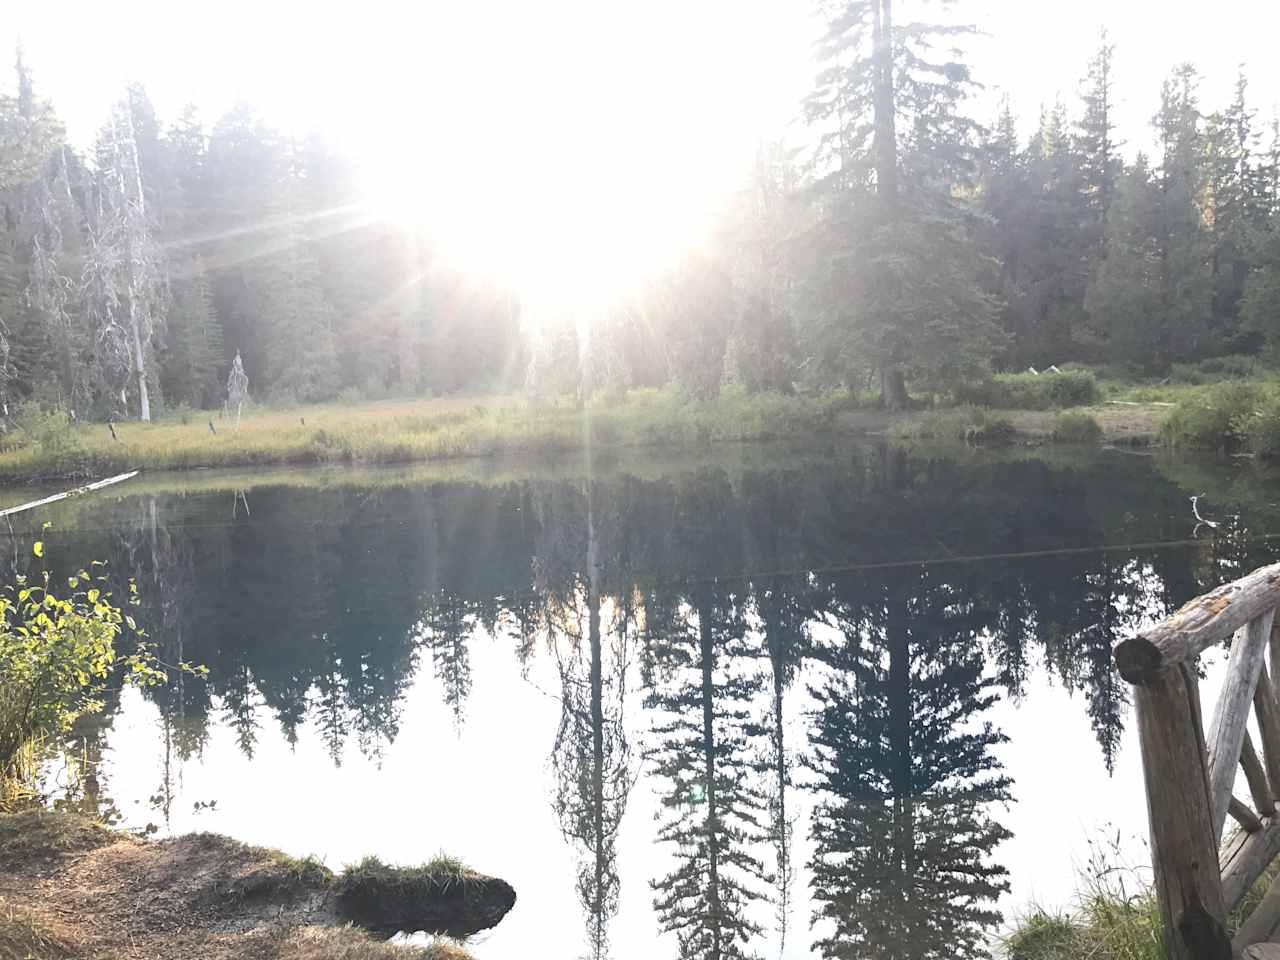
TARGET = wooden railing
(1190,776)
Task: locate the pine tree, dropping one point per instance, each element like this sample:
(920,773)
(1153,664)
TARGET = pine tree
(713,807)
(1126,295)
(288,304)
(447,625)
(898,286)
(1230,143)
(192,361)
(1096,141)
(902,830)
(1184,247)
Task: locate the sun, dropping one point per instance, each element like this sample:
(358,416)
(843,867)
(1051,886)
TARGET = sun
(580,149)
(563,230)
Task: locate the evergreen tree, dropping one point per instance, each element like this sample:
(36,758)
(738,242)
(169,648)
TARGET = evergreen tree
(1184,247)
(713,808)
(898,277)
(193,354)
(1100,165)
(1126,294)
(902,830)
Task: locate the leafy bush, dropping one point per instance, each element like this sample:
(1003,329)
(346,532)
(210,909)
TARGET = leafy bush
(1029,391)
(50,430)
(56,654)
(1214,369)
(1213,419)
(1076,427)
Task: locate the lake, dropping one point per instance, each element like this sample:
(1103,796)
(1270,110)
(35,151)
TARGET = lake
(753,704)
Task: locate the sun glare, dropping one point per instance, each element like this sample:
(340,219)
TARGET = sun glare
(541,154)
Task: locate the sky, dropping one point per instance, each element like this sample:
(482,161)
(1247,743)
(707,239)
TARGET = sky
(627,123)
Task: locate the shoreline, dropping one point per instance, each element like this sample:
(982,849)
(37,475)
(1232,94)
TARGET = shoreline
(457,430)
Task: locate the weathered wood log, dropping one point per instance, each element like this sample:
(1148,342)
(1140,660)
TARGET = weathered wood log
(1275,655)
(1256,777)
(1198,625)
(1262,951)
(1268,715)
(1226,735)
(1244,857)
(1184,851)
(87,488)
(1242,815)
(1260,925)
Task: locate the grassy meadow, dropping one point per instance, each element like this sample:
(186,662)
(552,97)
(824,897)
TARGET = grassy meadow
(46,446)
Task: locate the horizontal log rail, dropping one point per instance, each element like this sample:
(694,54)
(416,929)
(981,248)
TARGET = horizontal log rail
(1198,625)
(1190,773)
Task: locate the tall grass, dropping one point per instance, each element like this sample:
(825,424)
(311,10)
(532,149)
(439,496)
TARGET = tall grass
(1214,418)
(401,431)
(967,424)
(1116,916)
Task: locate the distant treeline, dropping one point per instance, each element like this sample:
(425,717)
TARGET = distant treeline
(910,245)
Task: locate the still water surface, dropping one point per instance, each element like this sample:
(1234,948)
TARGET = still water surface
(762,705)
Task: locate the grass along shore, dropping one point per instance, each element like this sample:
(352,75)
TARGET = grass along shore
(1223,410)
(46,447)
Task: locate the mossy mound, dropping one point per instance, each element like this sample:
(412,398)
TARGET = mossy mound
(439,897)
(230,871)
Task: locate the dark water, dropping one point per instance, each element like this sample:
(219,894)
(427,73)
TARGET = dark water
(852,704)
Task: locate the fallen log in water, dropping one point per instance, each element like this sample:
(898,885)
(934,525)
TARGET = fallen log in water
(87,488)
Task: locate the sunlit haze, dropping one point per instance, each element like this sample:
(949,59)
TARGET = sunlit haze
(571,144)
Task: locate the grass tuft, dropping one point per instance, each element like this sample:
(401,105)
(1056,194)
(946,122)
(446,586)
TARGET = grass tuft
(967,424)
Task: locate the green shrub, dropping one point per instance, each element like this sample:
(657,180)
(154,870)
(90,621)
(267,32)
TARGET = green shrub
(1214,369)
(1216,418)
(56,654)
(50,431)
(1076,427)
(1029,391)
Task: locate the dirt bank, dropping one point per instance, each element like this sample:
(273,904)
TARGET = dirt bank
(1136,423)
(71,889)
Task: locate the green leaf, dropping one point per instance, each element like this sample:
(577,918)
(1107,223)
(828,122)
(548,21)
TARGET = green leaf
(38,548)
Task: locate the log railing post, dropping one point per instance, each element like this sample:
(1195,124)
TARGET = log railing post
(1184,847)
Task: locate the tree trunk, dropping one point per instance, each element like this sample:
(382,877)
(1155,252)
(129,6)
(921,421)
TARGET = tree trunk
(886,145)
(706,643)
(899,732)
(144,399)
(597,731)
(893,388)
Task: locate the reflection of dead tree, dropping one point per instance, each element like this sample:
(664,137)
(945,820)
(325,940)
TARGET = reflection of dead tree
(592,758)
(589,638)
